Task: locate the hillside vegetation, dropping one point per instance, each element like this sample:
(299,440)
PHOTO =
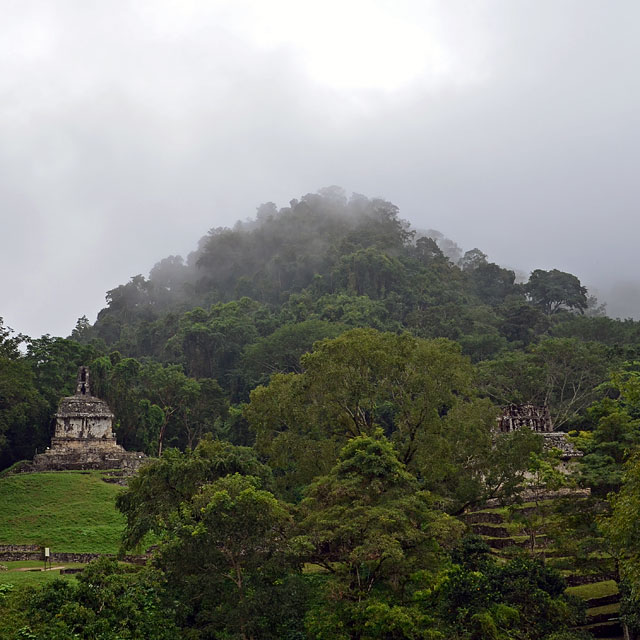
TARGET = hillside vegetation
(320,387)
(250,300)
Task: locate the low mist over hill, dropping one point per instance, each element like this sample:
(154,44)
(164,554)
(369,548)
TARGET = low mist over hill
(332,258)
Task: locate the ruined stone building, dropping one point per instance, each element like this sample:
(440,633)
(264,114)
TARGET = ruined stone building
(537,419)
(515,417)
(84,437)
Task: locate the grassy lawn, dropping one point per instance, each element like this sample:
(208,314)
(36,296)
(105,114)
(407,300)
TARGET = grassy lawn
(64,510)
(23,564)
(21,579)
(607,608)
(595,590)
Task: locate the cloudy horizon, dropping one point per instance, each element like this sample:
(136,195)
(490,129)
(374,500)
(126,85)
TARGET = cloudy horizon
(130,128)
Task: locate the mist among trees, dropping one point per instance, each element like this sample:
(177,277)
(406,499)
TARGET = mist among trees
(318,387)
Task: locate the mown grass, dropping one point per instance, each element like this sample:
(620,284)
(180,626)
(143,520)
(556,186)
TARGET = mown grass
(595,590)
(23,564)
(21,579)
(64,510)
(607,608)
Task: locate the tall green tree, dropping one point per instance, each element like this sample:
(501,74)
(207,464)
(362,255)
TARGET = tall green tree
(9,341)
(621,530)
(108,600)
(227,556)
(418,391)
(372,529)
(154,495)
(555,290)
(564,374)
(24,417)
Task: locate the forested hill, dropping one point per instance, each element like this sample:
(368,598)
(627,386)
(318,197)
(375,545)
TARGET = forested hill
(320,386)
(177,354)
(331,259)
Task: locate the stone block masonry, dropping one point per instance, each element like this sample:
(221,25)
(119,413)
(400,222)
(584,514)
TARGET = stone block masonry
(84,437)
(26,552)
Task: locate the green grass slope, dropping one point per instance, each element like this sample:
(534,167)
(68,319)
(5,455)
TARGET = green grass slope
(64,510)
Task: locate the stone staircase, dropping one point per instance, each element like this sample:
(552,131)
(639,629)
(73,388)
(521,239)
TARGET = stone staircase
(602,610)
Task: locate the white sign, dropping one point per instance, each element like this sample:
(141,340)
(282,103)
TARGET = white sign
(46,552)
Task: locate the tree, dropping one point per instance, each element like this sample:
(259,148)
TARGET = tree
(55,363)
(210,343)
(427,251)
(155,493)
(555,290)
(543,476)
(573,372)
(616,432)
(200,417)
(621,530)
(82,330)
(522,323)
(520,599)
(9,343)
(352,381)
(418,391)
(280,351)
(369,272)
(23,411)
(562,373)
(227,556)
(372,529)
(486,467)
(170,389)
(492,283)
(472,259)
(109,601)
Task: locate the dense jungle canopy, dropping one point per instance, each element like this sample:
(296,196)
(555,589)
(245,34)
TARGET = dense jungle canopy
(320,384)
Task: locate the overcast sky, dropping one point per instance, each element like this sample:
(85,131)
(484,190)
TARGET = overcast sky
(129,128)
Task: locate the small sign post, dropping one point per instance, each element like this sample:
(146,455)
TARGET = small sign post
(47,556)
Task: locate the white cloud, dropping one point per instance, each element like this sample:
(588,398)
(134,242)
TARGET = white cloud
(129,128)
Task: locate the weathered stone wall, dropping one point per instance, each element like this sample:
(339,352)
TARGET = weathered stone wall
(483,517)
(576,580)
(560,441)
(79,458)
(529,496)
(491,532)
(88,444)
(516,417)
(19,548)
(22,553)
(83,427)
(19,556)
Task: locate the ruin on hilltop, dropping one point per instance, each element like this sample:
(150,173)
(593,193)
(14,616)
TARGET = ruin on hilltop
(84,437)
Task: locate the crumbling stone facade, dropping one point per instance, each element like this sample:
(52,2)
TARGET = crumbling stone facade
(516,416)
(84,437)
(537,419)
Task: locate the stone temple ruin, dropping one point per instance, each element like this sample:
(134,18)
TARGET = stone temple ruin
(537,419)
(515,417)
(84,437)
